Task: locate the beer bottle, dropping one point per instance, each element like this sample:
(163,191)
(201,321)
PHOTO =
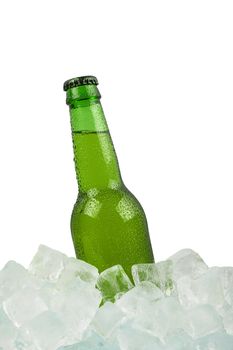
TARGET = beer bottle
(108,224)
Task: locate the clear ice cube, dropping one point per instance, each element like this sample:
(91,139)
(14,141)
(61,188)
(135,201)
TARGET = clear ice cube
(107,318)
(77,307)
(24,341)
(136,339)
(48,293)
(23,306)
(186,262)
(165,270)
(75,270)
(203,320)
(8,332)
(160,318)
(207,289)
(145,272)
(179,340)
(216,341)
(48,263)
(186,294)
(226,277)
(228,321)
(93,342)
(47,331)
(113,283)
(12,278)
(130,301)
(160,274)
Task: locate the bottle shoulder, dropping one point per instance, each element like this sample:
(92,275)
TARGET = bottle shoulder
(106,194)
(109,200)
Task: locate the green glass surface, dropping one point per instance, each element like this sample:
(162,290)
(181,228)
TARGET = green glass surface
(108,224)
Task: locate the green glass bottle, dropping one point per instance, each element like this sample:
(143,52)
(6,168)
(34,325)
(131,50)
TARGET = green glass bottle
(108,224)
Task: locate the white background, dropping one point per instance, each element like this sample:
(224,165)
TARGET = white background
(166,76)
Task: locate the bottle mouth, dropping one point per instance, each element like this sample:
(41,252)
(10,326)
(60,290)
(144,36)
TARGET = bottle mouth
(80,81)
(81,88)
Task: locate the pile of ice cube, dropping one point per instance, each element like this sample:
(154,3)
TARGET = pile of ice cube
(63,303)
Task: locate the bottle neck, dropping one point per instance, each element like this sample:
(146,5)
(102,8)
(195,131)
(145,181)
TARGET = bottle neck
(95,159)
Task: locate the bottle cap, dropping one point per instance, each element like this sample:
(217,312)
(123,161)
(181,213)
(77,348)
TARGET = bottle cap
(79,81)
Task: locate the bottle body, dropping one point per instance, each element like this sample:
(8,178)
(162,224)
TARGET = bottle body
(108,224)
(109,228)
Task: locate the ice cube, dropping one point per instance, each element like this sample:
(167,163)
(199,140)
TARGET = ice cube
(207,289)
(77,307)
(145,272)
(107,318)
(8,332)
(23,306)
(93,342)
(203,320)
(186,262)
(113,283)
(12,277)
(47,293)
(165,270)
(131,300)
(160,318)
(135,339)
(226,277)
(216,341)
(74,270)
(48,263)
(160,274)
(179,341)
(228,321)
(24,341)
(185,291)
(47,331)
